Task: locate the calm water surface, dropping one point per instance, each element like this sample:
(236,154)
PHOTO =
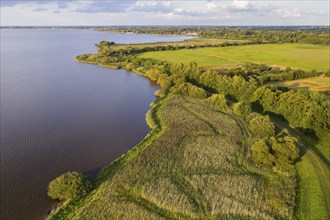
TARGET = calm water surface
(58,115)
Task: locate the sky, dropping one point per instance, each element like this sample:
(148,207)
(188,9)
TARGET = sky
(163,12)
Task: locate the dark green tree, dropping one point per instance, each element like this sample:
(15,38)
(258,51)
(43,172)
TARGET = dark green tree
(68,186)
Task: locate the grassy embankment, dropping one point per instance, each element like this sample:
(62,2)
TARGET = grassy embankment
(196,168)
(284,55)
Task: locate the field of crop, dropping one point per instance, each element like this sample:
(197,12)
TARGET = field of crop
(320,84)
(302,56)
(197,168)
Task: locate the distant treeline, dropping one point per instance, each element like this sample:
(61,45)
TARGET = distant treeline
(303,109)
(303,34)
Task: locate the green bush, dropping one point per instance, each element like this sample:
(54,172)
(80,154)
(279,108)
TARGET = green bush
(242,109)
(277,151)
(68,186)
(219,101)
(262,127)
(261,152)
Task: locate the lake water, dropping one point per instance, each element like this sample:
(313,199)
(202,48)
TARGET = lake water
(58,115)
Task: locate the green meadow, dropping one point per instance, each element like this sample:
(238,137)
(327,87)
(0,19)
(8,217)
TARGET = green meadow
(304,56)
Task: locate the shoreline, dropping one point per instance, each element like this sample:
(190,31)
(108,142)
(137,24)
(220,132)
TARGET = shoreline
(156,129)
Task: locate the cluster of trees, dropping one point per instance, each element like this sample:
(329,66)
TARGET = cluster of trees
(301,108)
(266,149)
(280,152)
(69,186)
(287,35)
(310,35)
(263,73)
(219,101)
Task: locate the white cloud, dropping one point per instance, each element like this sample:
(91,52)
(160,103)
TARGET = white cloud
(167,3)
(211,6)
(97,12)
(289,13)
(240,4)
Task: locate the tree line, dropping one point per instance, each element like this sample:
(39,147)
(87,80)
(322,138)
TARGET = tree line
(302,34)
(301,108)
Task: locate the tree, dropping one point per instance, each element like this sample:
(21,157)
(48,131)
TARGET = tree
(242,109)
(68,186)
(285,149)
(261,127)
(153,74)
(219,101)
(261,153)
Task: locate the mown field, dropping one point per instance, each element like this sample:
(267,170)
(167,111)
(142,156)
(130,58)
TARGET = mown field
(319,84)
(302,56)
(196,168)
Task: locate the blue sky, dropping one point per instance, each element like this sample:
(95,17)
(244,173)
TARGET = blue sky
(164,12)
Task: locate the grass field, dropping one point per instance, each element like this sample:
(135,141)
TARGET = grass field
(320,84)
(302,56)
(310,200)
(194,41)
(196,168)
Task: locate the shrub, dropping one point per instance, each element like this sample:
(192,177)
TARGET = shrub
(261,152)
(219,101)
(153,74)
(261,127)
(242,109)
(285,149)
(68,186)
(277,151)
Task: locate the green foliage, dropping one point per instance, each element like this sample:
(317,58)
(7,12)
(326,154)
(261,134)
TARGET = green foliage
(164,82)
(261,152)
(153,74)
(68,186)
(279,152)
(261,126)
(285,149)
(189,90)
(242,109)
(129,66)
(219,101)
(251,116)
(159,93)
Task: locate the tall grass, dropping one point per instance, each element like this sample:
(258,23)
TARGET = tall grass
(191,166)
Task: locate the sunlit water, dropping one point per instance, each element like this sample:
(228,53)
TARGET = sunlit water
(58,115)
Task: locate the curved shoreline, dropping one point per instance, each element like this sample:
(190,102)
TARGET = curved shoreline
(156,128)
